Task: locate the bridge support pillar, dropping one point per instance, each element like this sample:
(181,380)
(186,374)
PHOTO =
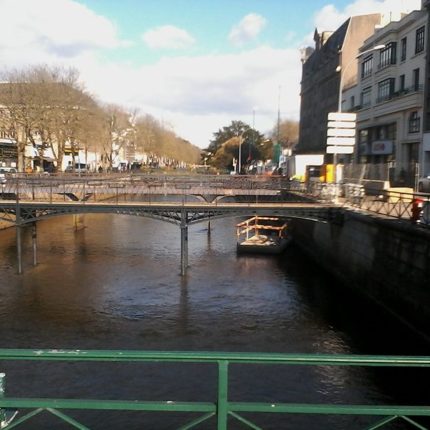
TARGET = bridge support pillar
(34,239)
(184,246)
(18,231)
(19,248)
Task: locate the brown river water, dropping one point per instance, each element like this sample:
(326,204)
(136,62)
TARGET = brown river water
(115,284)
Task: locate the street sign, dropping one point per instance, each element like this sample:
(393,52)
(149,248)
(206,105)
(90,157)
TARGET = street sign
(341,124)
(342,116)
(341,132)
(340,149)
(340,141)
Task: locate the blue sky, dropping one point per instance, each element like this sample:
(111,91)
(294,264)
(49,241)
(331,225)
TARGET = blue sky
(208,21)
(195,65)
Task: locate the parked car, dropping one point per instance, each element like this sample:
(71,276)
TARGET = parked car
(424,184)
(5,172)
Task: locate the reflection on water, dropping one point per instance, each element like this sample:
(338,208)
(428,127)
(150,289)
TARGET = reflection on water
(115,284)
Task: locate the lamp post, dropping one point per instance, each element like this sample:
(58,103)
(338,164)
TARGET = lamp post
(342,72)
(239,163)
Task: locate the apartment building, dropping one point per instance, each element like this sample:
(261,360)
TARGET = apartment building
(389,98)
(321,77)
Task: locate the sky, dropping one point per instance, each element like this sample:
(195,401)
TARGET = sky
(194,65)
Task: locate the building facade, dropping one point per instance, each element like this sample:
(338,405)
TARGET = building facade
(334,55)
(389,99)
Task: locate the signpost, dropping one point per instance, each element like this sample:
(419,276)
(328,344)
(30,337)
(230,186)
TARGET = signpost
(340,138)
(341,133)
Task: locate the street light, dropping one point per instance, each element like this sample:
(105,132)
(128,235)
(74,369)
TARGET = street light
(240,155)
(342,72)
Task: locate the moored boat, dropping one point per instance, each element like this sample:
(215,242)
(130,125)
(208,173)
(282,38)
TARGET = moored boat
(262,235)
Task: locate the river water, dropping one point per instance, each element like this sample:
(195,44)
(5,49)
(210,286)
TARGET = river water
(114,283)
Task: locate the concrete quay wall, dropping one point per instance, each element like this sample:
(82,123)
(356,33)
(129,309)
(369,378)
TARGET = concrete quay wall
(386,260)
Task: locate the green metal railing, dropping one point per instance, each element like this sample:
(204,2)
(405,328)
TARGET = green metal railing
(221,409)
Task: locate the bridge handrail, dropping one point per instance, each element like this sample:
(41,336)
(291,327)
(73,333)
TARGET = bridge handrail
(220,408)
(376,199)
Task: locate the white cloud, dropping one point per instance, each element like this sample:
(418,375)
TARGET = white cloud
(52,29)
(247,29)
(168,37)
(330,18)
(199,95)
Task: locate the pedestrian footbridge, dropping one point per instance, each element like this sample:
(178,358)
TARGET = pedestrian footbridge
(182,200)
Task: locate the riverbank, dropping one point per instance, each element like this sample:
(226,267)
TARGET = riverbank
(387,260)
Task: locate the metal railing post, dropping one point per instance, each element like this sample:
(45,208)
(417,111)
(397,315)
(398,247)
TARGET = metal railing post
(222,401)
(2,394)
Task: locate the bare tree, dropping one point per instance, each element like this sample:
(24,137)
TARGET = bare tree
(46,107)
(116,132)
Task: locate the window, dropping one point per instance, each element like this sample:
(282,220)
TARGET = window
(414,122)
(391,131)
(385,89)
(363,136)
(403,49)
(367,66)
(416,79)
(388,55)
(402,83)
(352,102)
(419,40)
(366,97)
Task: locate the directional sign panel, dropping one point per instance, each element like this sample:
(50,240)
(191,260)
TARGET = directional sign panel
(340,149)
(342,116)
(340,141)
(341,124)
(341,132)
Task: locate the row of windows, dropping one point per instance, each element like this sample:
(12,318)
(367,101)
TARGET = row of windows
(389,131)
(388,55)
(386,88)
(380,132)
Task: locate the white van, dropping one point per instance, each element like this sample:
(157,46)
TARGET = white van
(77,168)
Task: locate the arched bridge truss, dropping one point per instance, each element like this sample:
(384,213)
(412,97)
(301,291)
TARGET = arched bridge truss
(23,213)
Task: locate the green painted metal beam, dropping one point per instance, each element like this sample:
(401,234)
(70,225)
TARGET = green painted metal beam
(222,403)
(221,408)
(197,421)
(214,357)
(245,421)
(326,409)
(117,405)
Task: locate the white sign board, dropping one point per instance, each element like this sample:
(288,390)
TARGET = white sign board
(340,141)
(342,116)
(340,149)
(341,124)
(341,132)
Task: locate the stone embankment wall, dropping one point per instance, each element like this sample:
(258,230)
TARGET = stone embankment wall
(386,259)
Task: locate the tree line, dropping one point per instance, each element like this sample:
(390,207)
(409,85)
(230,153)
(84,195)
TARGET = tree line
(241,140)
(49,108)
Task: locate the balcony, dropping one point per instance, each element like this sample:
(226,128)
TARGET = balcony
(400,93)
